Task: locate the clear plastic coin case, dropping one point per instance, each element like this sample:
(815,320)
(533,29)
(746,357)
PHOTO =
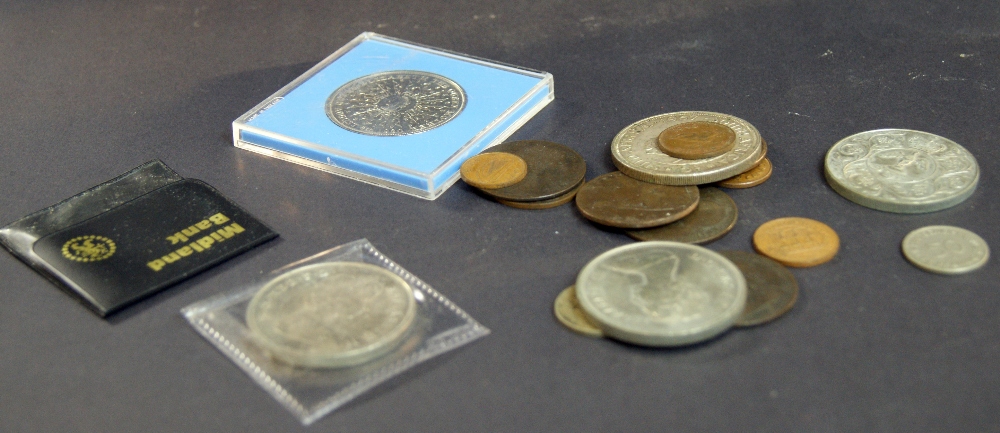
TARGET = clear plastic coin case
(436,326)
(394,114)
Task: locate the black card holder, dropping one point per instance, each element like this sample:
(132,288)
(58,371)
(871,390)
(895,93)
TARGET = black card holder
(133,236)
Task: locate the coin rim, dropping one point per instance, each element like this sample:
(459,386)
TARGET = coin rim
(782,270)
(579,326)
(732,184)
(945,271)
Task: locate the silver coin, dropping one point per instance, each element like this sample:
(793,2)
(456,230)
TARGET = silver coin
(901,170)
(636,153)
(662,293)
(395,103)
(331,314)
(945,249)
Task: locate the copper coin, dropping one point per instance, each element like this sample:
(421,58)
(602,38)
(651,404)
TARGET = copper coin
(771,288)
(544,204)
(697,140)
(616,200)
(714,216)
(753,177)
(796,242)
(553,170)
(493,170)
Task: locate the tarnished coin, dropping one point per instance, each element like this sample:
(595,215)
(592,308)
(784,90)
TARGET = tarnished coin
(753,177)
(635,150)
(569,313)
(796,242)
(696,140)
(616,200)
(714,216)
(945,249)
(901,170)
(553,170)
(331,314)
(544,204)
(493,170)
(661,293)
(771,288)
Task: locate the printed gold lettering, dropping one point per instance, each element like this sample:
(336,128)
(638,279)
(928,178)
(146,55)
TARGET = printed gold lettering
(204,224)
(170,258)
(217,237)
(219,219)
(196,247)
(177,238)
(156,265)
(230,231)
(206,242)
(185,251)
(190,231)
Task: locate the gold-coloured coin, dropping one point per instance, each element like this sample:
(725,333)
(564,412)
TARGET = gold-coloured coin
(696,140)
(493,170)
(753,177)
(544,204)
(569,313)
(796,242)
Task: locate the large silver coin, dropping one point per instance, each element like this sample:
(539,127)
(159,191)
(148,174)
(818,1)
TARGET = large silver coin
(945,249)
(901,170)
(331,314)
(636,153)
(395,103)
(662,293)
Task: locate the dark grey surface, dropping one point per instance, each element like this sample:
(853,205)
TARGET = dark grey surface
(91,89)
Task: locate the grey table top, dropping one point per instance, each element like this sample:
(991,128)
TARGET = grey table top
(91,89)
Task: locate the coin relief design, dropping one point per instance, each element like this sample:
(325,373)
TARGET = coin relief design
(796,242)
(493,170)
(696,140)
(900,170)
(395,103)
(945,249)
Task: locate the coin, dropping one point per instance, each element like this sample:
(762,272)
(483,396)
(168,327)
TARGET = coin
(395,103)
(696,140)
(616,200)
(771,288)
(714,216)
(901,170)
(493,170)
(636,153)
(567,309)
(544,204)
(753,177)
(661,293)
(945,249)
(796,242)
(553,170)
(331,314)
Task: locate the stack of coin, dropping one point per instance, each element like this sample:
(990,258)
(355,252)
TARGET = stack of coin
(529,174)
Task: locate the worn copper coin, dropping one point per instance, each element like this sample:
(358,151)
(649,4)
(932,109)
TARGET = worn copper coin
(493,170)
(714,216)
(771,288)
(753,177)
(569,313)
(544,204)
(796,242)
(696,140)
(553,170)
(616,200)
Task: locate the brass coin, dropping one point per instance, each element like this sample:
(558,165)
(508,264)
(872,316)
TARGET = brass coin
(569,313)
(753,177)
(714,216)
(544,204)
(696,140)
(553,170)
(763,152)
(796,242)
(616,200)
(493,170)
(771,288)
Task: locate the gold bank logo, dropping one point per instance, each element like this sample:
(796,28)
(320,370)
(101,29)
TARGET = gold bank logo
(89,248)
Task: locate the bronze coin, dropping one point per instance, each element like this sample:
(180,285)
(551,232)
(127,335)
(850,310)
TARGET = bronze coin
(796,242)
(697,140)
(544,204)
(714,217)
(771,288)
(763,153)
(616,200)
(553,170)
(753,177)
(493,170)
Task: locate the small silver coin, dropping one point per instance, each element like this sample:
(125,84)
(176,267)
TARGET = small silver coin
(662,293)
(901,170)
(331,314)
(945,249)
(395,103)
